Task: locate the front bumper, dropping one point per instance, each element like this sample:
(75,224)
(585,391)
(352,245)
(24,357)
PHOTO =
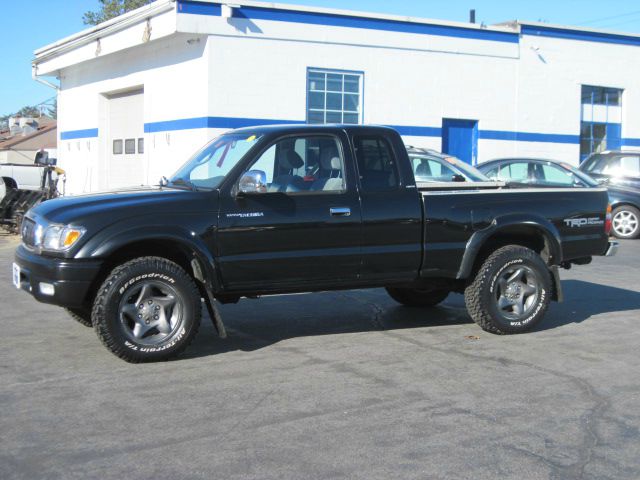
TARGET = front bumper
(612,249)
(71,279)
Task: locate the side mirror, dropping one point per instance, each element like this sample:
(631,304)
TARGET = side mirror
(458,178)
(253,181)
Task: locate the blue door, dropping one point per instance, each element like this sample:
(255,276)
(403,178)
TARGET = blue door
(460,139)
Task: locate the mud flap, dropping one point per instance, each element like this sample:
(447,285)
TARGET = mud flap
(557,286)
(214,313)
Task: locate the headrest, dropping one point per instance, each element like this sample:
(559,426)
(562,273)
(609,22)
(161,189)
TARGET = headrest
(329,160)
(290,159)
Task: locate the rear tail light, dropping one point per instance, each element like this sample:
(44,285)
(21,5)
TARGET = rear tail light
(607,220)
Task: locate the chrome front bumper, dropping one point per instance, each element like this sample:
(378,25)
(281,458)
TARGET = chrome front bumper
(612,249)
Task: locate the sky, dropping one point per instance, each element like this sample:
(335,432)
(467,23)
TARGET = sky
(27,25)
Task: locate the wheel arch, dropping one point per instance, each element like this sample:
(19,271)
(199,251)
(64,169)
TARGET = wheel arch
(536,233)
(9,182)
(194,258)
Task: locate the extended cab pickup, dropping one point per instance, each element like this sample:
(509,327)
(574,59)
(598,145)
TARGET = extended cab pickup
(279,209)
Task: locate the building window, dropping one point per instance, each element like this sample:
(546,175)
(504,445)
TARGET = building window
(130,146)
(600,127)
(334,96)
(117,147)
(601,96)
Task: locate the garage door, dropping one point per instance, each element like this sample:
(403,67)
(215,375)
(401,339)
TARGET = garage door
(126,165)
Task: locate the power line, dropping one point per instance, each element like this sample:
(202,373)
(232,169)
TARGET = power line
(602,19)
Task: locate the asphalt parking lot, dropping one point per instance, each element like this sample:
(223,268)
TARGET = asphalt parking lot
(333,385)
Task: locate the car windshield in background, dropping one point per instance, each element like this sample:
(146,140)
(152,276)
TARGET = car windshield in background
(207,168)
(441,168)
(614,165)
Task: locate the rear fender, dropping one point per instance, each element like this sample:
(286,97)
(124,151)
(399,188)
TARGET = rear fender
(510,225)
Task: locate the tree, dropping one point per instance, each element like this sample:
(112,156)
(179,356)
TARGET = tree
(110,9)
(52,111)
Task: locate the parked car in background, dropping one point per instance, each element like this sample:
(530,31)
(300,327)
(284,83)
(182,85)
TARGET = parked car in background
(625,201)
(3,189)
(432,166)
(615,167)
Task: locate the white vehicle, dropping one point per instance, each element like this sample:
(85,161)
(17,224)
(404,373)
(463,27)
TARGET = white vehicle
(25,177)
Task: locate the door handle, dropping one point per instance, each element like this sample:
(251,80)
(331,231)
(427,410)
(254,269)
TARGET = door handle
(340,211)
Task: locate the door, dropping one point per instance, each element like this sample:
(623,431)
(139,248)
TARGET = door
(391,212)
(126,165)
(460,139)
(305,229)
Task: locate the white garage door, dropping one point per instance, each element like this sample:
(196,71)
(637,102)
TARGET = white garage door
(126,165)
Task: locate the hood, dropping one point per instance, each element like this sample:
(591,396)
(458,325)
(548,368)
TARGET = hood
(111,206)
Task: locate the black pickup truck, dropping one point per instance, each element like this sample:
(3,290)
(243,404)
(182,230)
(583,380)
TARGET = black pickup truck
(278,209)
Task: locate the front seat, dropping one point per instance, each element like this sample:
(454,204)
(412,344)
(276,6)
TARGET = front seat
(288,161)
(331,172)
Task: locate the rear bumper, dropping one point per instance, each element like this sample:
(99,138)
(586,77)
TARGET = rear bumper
(612,249)
(70,279)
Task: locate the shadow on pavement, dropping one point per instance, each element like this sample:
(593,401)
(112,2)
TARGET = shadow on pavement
(255,324)
(585,299)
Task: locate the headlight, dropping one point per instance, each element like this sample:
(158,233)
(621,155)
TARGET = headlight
(60,237)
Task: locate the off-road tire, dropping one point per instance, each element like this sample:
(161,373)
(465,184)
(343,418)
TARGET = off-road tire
(80,315)
(412,297)
(111,323)
(632,216)
(482,295)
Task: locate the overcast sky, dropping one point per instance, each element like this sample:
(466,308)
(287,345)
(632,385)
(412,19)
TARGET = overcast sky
(26,25)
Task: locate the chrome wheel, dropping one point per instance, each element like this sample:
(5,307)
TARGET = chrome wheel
(517,292)
(151,312)
(625,223)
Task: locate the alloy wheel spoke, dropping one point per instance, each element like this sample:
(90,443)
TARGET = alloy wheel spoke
(518,305)
(528,289)
(131,311)
(516,275)
(504,302)
(145,292)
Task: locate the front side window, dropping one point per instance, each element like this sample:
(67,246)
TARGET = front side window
(376,164)
(305,164)
(334,96)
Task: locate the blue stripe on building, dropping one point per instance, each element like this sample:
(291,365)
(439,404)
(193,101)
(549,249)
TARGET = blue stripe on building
(584,36)
(73,134)
(406,130)
(631,142)
(348,21)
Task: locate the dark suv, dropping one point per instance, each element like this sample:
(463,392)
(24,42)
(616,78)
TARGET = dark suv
(619,167)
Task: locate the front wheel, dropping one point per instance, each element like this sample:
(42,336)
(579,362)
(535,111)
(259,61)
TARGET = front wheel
(511,291)
(625,222)
(148,309)
(413,297)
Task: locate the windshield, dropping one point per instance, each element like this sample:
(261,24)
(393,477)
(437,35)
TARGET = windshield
(614,165)
(432,168)
(580,175)
(207,168)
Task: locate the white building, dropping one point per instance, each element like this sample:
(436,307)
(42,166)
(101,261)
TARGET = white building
(138,94)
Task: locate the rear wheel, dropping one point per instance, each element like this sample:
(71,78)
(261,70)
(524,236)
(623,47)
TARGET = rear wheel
(413,297)
(625,222)
(511,291)
(148,309)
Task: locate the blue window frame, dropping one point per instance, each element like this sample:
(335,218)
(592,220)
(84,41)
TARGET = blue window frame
(599,136)
(334,96)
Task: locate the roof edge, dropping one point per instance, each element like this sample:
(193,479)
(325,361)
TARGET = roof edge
(105,28)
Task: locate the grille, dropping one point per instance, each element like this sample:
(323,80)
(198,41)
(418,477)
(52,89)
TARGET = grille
(28,232)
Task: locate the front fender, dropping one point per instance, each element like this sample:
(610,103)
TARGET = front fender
(118,236)
(504,225)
